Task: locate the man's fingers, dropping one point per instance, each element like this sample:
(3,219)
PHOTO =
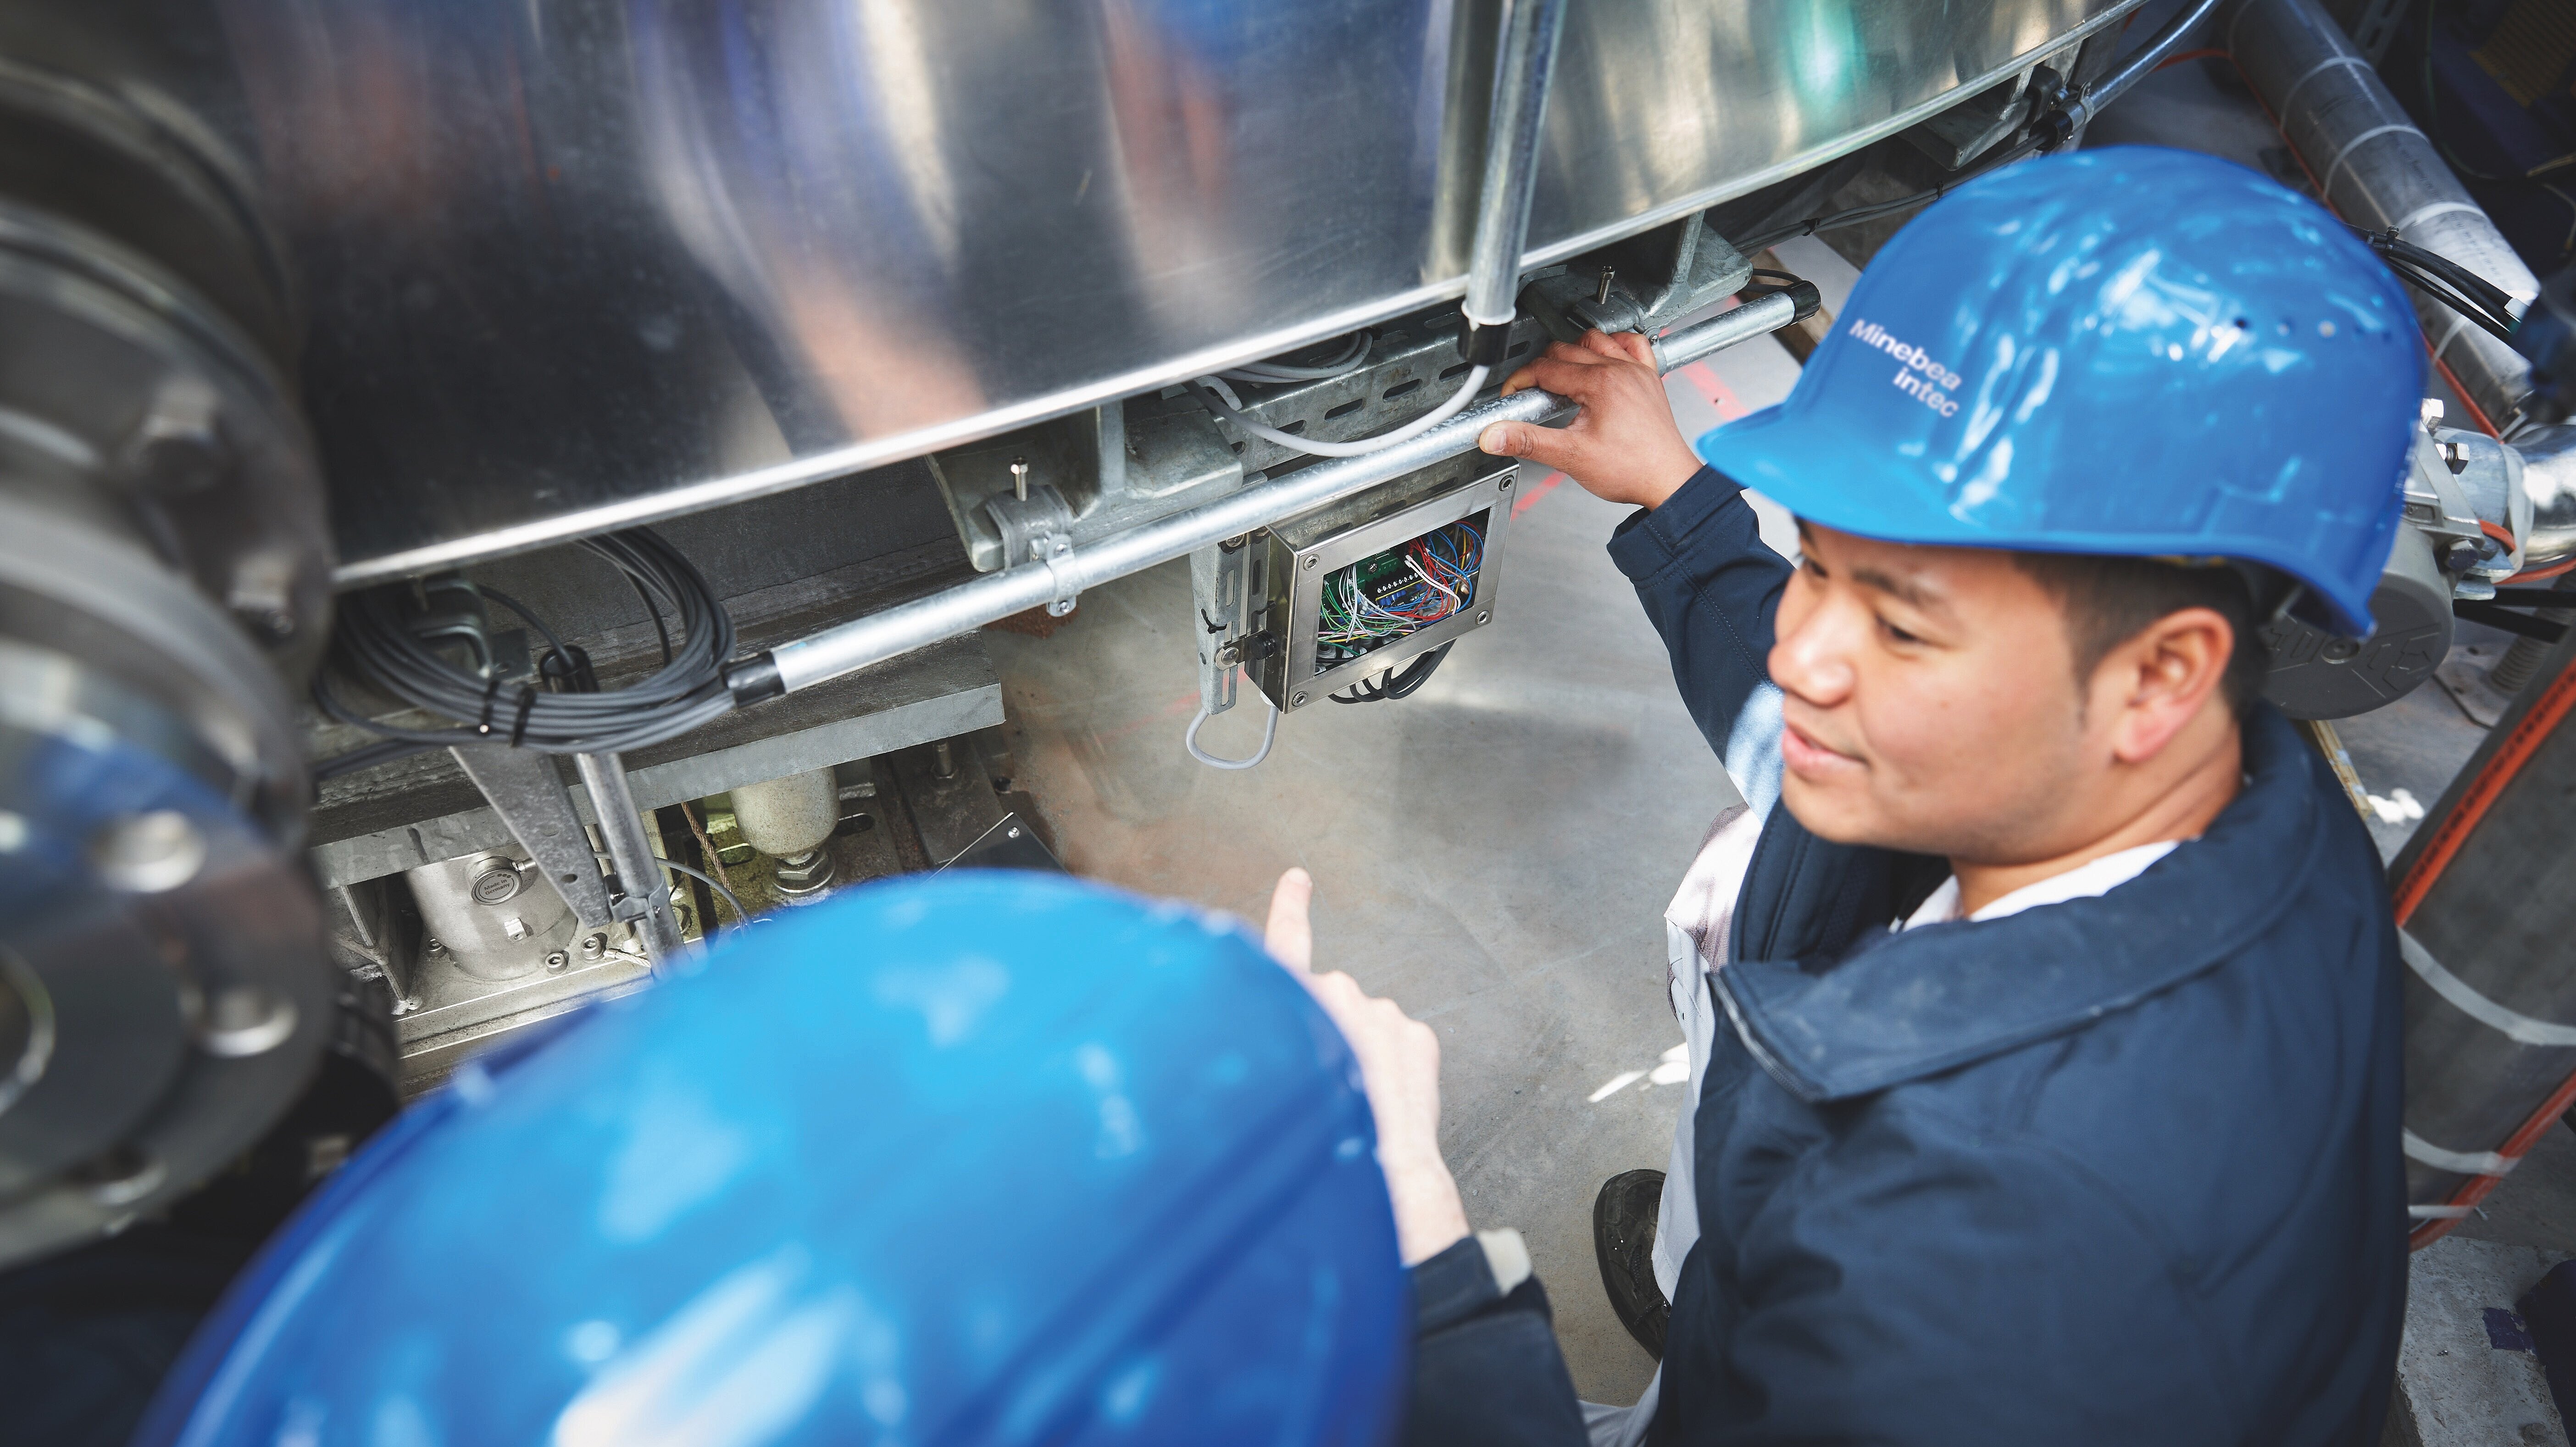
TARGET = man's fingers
(1290,934)
(1546,446)
(1606,348)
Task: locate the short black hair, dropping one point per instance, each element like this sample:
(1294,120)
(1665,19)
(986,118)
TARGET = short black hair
(2110,600)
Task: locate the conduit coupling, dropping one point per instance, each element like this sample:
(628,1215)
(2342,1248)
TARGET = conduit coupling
(995,596)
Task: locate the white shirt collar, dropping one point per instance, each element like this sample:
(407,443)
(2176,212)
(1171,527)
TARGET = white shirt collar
(2084,881)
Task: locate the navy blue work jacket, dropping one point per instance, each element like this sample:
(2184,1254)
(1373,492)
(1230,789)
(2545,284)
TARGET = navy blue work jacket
(2114,1170)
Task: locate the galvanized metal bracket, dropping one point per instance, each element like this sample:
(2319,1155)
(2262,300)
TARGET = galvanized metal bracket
(1217,593)
(530,797)
(1038,528)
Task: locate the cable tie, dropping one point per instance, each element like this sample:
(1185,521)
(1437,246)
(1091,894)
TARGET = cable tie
(519,729)
(491,690)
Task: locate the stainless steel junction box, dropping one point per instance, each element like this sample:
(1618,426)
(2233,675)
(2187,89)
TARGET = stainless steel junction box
(1331,575)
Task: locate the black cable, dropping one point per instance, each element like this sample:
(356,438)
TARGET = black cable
(652,612)
(2446,281)
(2472,311)
(1397,683)
(375,642)
(515,606)
(2463,280)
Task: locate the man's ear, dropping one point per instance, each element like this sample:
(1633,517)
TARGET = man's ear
(2161,679)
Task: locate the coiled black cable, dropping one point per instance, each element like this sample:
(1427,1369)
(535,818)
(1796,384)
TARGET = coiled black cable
(375,642)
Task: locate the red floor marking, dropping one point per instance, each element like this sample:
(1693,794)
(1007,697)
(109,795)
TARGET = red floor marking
(1529,496)
(1718,393)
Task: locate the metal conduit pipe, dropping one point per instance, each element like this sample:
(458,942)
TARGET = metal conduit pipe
(2376,170)
(995,596)
(1521,77)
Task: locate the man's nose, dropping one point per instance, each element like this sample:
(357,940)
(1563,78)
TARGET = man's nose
(1812,658)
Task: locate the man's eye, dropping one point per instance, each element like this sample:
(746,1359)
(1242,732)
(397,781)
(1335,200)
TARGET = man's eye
(1896,633)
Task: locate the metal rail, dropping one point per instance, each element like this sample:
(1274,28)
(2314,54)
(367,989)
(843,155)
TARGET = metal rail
(995,596)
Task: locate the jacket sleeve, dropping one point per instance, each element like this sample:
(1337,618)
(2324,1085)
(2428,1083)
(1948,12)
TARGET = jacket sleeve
(1486,1369)
(1711,586)
(1916,1283)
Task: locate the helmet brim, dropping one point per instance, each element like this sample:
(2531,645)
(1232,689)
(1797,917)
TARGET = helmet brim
(1822,476)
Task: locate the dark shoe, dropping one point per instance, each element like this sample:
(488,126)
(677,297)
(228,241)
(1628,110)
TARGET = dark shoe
(1623,1237)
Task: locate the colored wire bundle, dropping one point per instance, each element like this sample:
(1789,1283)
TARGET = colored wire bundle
(1442,567)
(375,641)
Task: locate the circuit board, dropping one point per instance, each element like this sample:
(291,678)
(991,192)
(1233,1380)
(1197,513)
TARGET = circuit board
(1394,594)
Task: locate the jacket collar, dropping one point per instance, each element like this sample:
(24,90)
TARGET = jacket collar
(1902,1007)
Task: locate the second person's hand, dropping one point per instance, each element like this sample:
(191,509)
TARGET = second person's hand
(1400,1064)
(1623,445)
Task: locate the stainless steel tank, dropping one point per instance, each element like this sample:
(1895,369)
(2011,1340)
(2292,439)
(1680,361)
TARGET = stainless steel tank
(574,266)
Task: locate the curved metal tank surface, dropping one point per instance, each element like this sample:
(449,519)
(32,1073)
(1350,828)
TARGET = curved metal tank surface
(577,266)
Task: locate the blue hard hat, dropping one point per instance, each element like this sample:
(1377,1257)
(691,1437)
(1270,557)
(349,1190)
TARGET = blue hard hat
(2130,351)
(980,1158)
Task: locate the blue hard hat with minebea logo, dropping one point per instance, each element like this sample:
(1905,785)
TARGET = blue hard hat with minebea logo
(992,1158)
(2131,351)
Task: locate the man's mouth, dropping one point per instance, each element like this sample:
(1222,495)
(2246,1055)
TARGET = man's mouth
(1809,758)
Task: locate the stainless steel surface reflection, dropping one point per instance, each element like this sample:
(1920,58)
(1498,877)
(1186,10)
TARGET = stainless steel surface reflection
(578,265)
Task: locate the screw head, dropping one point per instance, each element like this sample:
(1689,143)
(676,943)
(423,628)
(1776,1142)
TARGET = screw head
(436,946)
(557,961)
(1297,698)
(1311,561)
(2339,650)
(1484,615)
(1504,481)
(148,853)
(593,946)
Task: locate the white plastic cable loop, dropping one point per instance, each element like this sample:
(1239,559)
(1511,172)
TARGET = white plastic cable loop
(1269,731)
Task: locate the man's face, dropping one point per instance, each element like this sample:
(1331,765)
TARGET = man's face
(1932,703)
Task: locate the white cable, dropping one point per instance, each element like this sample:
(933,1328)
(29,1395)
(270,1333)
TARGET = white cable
(1269,731)
(1221,400)
(1350,360)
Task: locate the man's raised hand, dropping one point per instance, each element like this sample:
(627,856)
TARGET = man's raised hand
(1623,445)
